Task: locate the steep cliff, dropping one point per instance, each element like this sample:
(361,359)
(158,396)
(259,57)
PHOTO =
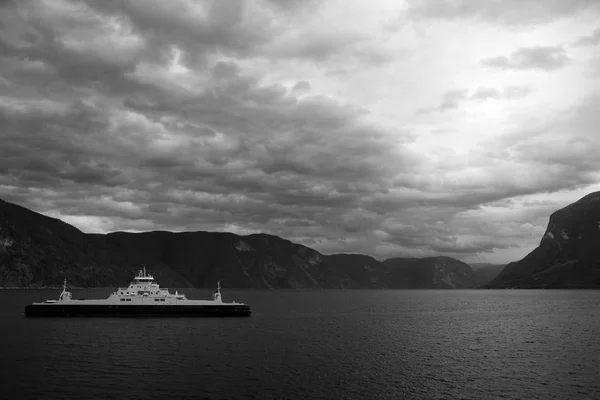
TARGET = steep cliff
(568,255)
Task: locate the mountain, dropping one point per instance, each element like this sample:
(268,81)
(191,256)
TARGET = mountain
(355,271)
(568,255)
(39,251)
(477,266)
(36,250)
(430,273)
(485,272)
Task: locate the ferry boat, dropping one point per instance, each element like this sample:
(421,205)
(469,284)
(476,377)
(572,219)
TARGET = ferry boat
(143,297)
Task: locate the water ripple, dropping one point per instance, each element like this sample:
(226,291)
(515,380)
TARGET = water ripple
(325,344)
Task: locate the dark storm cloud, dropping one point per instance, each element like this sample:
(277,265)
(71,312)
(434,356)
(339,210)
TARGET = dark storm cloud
(438,199)
(198,28)
(508,12)
(78,47)
(430,235)
(40,148)
(232,149)
(155,115)
(539,57)
(236,28)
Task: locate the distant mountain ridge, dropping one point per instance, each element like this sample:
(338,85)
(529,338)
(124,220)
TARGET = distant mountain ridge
(486,272)
(430,273)
(36,251)
(568,255)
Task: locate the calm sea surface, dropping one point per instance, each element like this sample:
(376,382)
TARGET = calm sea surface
(362,344)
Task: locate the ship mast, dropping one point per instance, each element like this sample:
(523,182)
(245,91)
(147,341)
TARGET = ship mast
(66,294)
(217,295)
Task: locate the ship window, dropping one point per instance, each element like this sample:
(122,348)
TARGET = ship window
(128,299)
(156,300)
(162,299)
(122,299)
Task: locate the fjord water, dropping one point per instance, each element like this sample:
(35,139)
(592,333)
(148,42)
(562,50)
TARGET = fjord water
(330,344)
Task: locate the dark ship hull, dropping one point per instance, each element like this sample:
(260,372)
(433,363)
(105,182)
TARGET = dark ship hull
(101,310)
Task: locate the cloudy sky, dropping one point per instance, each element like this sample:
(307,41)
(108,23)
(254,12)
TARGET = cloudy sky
(387,128)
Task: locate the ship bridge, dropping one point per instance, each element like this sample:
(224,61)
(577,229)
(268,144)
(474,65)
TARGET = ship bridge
(143,277)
